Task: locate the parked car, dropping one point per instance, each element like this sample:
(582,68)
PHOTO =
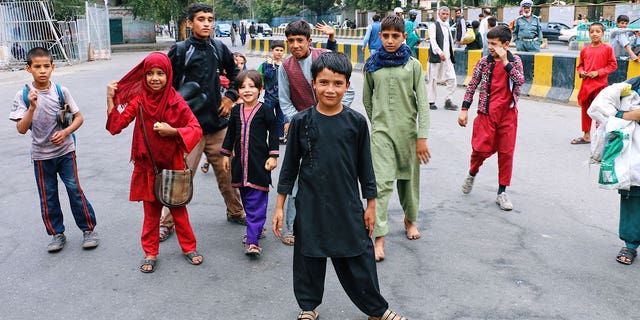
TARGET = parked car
(223,30)
(266,29)
(568,35)
(283,25)
(551,30)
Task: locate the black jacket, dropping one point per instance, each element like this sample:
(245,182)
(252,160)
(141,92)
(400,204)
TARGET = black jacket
(202,61)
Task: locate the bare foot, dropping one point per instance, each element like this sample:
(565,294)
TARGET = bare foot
(412,230)
(378,247)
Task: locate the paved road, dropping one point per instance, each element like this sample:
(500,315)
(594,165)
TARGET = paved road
(550,258)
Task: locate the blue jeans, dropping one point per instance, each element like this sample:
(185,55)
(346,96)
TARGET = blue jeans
(46,172)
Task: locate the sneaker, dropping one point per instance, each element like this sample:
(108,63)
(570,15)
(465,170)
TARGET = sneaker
(57,242)
(504,202)
(241,220)
(468,184)
(252,250)
(432,106)
(90,240)
(448,105)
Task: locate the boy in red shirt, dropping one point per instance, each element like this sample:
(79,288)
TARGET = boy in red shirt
(597,61)
(499,76)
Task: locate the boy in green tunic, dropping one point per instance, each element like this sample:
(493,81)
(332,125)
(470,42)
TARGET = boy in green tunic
(395,99)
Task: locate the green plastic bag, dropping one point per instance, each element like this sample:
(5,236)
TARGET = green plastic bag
(611,151)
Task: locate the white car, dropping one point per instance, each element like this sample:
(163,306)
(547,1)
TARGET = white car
(283,25)
(568,35)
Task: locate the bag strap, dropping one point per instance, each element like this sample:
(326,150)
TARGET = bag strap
(25,96)
(146,139)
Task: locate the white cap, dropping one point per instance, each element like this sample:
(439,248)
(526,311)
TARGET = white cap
(526,3)
(397,10)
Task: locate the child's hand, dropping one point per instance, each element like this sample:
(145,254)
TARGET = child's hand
(502,54)
(592,74)
(422,151)
(325,28)
(164,129)
(276,223)
(271,164)
(58,137)
(111,89)
(370,216)
(225,164)
(32,97)
(463,118)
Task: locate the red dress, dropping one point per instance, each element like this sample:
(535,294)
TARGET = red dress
(601,59)
(170,156)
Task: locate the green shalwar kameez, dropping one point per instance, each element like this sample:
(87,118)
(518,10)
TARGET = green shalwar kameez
(395,99)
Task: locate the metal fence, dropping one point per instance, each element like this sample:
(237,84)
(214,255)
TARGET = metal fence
(96,28)
(25,25)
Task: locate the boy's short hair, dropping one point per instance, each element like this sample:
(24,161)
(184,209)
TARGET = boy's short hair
(249,74)
(393,23)
(277,44)
(334,61)
(197,7)
(622,18)
(475,24)
(501,33)
(38,52)
(298,28)
(597,24)
(492,21)
(376,17)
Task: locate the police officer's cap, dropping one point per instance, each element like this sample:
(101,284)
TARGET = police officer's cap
(526,3)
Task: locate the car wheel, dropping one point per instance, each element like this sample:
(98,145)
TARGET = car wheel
(572,39)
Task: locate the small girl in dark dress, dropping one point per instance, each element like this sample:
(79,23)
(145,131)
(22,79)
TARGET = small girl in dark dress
(252,135)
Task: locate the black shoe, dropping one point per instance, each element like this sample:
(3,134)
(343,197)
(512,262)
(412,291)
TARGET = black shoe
(57,243)
(241,220)
(448,105)
(432,106)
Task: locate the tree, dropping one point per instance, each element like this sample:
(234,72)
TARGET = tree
(67,9)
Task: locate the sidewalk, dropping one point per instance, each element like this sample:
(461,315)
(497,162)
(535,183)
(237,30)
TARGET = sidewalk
(163,44)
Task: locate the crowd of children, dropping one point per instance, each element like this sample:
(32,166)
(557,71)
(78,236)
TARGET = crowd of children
(319,129)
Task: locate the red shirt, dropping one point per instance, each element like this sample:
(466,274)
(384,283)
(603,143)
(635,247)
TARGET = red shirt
(500,94)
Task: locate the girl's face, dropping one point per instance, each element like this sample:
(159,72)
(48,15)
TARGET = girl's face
(156,79)
(248,91)
(240,62)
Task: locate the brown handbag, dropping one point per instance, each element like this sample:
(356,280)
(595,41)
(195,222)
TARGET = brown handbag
(173,188)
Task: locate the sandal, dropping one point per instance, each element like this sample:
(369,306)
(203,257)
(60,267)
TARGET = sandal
(193,254)
(580,140)
(165,232)
(288,238)
(626,255)
(148,262)
(308,315)
(252,250)
(389,315)
(205,167)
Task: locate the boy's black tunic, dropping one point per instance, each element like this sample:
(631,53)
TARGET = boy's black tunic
(330,154)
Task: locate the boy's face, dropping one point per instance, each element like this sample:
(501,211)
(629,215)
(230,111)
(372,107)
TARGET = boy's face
(596,33)
(623,24)
(392,39)
(299,46)
(277,52)
(201,25)
(330,87)
(495,44)
(156,79)
(41,68)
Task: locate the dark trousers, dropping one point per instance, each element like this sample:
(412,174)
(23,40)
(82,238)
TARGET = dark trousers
(357,275)
(46,172)
(629,228)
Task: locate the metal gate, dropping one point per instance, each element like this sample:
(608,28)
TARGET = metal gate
(96,28)
(25,25)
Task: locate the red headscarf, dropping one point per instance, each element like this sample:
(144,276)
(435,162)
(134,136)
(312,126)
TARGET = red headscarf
(134,84)
(156,105)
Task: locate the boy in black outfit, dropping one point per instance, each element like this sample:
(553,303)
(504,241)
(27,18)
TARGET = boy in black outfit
(330,220)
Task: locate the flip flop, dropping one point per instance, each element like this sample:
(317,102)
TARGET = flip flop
(580,140)
(189,256)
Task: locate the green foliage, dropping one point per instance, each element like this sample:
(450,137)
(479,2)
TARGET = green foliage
(158,10)
(67,9)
